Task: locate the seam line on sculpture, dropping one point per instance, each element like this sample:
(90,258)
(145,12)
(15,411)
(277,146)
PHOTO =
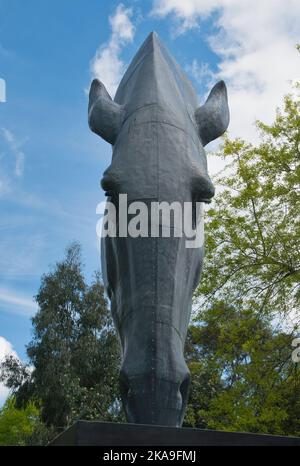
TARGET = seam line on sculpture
(169,124)
(158,378)
(154,104)
(124,317)
(156,270)
(170,325)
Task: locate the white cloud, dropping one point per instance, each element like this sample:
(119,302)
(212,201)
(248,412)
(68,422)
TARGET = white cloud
(186,12)
(18,304)
(255,42)
(12,160)
(201,72)
(15,148)
(107,64)
(6,348)
(2,88)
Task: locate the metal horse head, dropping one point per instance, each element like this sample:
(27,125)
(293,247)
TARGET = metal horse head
(158,133)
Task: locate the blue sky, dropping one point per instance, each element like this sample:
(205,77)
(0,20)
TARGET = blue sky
(51,164)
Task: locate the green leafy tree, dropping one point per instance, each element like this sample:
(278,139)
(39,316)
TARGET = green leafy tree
(17,425)
(239,352)
(243,377)
(74,351)
(253,228)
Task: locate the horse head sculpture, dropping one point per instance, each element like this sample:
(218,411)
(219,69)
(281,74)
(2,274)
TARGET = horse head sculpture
(158,133)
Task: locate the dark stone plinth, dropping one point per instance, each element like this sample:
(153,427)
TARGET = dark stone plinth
(112,434)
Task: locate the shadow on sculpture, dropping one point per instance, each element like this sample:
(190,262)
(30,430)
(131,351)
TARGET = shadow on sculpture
(158,133)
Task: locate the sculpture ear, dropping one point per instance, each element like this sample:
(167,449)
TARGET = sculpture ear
(212,118)
(104,115)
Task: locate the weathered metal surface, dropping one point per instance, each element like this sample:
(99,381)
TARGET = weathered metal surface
(158,133)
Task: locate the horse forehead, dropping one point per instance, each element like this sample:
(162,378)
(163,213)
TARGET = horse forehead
(154,77)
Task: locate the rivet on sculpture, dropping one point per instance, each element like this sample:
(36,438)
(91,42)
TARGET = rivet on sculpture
(158,131)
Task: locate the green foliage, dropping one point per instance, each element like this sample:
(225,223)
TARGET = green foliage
(74,352)
(253,228)
(243,377)
(17,425)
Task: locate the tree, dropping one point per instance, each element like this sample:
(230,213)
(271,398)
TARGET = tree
(17,425)
(74,351)
(253,228)
(243,377)
(239,349)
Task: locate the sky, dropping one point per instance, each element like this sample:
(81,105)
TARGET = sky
(51,163)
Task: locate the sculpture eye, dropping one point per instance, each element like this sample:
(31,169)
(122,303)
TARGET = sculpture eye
(203,189)
(109,184)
